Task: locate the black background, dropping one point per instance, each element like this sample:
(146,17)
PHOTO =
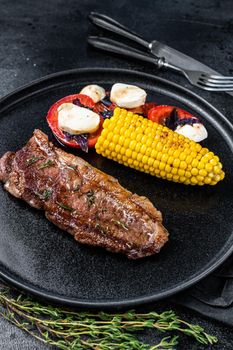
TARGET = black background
(38,38)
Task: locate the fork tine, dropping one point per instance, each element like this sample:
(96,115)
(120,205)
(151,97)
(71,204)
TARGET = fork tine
(217,77)
(217,81)
(217,89)
(211,80)
(217,85)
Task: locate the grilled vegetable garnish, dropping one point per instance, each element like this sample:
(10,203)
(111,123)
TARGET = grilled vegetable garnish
(74,121)
(152,148)
(180,121)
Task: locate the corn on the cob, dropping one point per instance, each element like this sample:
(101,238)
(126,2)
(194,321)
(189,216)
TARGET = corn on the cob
(152,148)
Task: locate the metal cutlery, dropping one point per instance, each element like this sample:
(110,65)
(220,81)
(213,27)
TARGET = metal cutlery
(159,54)
(197,78)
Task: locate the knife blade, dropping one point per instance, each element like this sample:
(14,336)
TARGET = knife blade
(179,59)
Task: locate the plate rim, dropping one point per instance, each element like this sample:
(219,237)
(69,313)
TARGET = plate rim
(125,302)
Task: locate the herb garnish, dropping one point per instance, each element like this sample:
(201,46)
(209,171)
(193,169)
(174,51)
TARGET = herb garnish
(45,195)
(63,206)
(100,228)
(46,164)
(90,198)
(121,224)
(32,160)
(66,329)
(76,188)
(73,167)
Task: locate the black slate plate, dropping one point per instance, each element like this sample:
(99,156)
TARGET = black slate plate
(40,258)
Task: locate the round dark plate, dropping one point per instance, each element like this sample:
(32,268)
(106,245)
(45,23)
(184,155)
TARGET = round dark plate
(38,257)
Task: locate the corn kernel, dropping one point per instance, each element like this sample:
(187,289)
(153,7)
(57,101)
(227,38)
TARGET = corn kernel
(176,163)
(128,153)
(144,159)
(122,151)
(203,172)
(138,147)
(148,151)
(208,167)
(174,171)
(126,143)
(150,161)
(163,174)
(164,158)
(168,168)
(143,149)
(183,165)
(194,171)
(139,156)
(181,172)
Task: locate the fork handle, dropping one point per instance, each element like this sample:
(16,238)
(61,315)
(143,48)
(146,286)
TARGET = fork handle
(111,25)
(122,49)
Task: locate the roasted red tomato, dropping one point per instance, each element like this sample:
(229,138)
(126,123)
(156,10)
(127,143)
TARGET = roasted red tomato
(171,116)
(84,141)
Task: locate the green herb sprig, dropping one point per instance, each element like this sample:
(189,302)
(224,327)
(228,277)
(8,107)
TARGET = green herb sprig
(32,160)
(68,329)
(64,206)
(45,195)
(90,198)
(120,224)
(47,164)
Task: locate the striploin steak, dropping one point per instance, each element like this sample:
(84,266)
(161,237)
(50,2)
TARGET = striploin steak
(82,200)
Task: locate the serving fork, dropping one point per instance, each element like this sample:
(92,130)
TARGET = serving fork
(201,79)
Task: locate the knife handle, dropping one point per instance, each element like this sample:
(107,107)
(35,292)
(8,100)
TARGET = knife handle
(113,26)
(122,49)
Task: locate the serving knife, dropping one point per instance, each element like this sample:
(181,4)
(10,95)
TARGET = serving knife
(172,56)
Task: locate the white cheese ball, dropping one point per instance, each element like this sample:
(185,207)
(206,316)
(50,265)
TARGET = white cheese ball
(77,120)
(196,132)
(127,96)
(95,92)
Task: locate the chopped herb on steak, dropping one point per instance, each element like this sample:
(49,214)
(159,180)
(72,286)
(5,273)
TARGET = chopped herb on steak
(90,198)
(46,164)
(65,207)
(45,195)
(120,224)
(32,160)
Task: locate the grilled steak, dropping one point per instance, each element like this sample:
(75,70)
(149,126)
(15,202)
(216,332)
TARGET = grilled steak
(82,200)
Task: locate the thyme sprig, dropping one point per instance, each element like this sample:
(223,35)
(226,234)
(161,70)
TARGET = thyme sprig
(90,198)
(45,195)
(32,160)
(64,206)
(120,224)
(68,329)
(47,164)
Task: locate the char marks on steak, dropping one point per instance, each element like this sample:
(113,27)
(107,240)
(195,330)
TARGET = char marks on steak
(82,200)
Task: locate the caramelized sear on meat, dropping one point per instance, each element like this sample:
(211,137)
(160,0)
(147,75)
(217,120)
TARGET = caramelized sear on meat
(82,200)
